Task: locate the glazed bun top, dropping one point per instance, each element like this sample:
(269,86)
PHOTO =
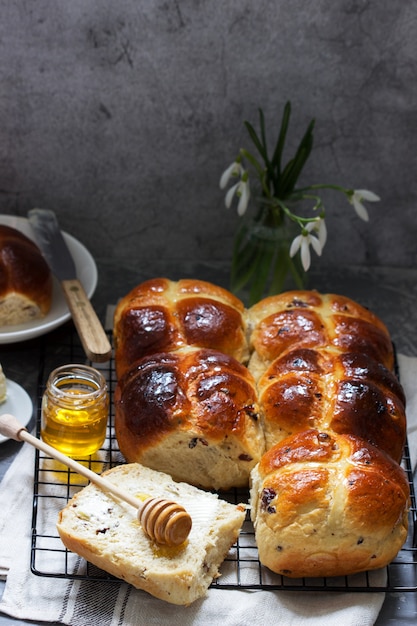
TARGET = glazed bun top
(161,315)
(345,392)
(308,319)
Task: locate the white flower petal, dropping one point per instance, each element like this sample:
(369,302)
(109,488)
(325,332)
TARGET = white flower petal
(360,209)
(229,196)
(365,194)
(322,233)
(295,246)
(305,253)
(244,192)
(234,169)
(318,226)
(315,243)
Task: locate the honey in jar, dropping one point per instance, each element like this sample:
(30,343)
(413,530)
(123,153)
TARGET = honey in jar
(75,410)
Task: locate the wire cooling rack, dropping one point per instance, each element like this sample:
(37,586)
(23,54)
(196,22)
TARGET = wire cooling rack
(55,484)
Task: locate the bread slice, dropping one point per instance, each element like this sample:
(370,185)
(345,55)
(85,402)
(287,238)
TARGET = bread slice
(106,532)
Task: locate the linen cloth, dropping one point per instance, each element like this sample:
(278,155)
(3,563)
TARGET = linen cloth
(86,603)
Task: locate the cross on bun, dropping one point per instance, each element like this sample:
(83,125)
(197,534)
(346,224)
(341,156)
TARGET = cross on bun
(25,279)
(328,505)
(161,315)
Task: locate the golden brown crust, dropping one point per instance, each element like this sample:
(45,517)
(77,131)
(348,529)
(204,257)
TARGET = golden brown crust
(328,497)
(171,408)
(24,276)
(161,315)
(333,390)
(328,505)
(308,319)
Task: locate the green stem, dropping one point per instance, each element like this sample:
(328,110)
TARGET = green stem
(302,190)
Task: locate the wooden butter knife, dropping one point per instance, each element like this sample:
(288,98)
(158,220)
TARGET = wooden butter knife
(54,248)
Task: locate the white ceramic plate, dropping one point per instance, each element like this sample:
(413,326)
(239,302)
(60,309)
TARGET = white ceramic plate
(59,313)
(18,403)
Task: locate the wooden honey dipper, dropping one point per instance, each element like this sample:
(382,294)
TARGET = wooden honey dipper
(163,521)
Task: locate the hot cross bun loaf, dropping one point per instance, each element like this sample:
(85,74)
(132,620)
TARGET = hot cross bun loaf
(25,279)
(295,395)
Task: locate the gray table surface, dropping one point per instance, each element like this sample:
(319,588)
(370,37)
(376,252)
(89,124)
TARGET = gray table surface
(390,292)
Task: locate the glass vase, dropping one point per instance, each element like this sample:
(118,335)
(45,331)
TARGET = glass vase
(261,264)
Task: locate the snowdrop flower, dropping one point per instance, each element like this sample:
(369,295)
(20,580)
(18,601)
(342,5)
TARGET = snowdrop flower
(279,200)
(319,226)
(242,191)
(303,242)
(234,169)
(356,198)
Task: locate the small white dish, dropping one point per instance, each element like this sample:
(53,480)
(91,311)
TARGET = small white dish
(17,403)
(59,312)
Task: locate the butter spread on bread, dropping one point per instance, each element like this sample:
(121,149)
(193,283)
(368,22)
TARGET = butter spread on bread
(106,532)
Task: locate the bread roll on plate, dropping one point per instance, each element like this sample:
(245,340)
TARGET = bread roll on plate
(25,279)
(191,413)
(161,315)
(328,505)
(106,532)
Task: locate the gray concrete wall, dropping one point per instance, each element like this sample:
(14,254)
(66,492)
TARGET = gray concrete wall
(122,115)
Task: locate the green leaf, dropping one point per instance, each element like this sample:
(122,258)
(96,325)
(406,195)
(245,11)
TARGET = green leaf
(253,258)
(279,148)
(262,127)
(297,272)
(242,268)
(294,167)
(256,141)
(280,271)
(255,163)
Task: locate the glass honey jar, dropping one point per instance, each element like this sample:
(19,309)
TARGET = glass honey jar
(75,410)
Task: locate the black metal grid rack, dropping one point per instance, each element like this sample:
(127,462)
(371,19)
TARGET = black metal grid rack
(54,484)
